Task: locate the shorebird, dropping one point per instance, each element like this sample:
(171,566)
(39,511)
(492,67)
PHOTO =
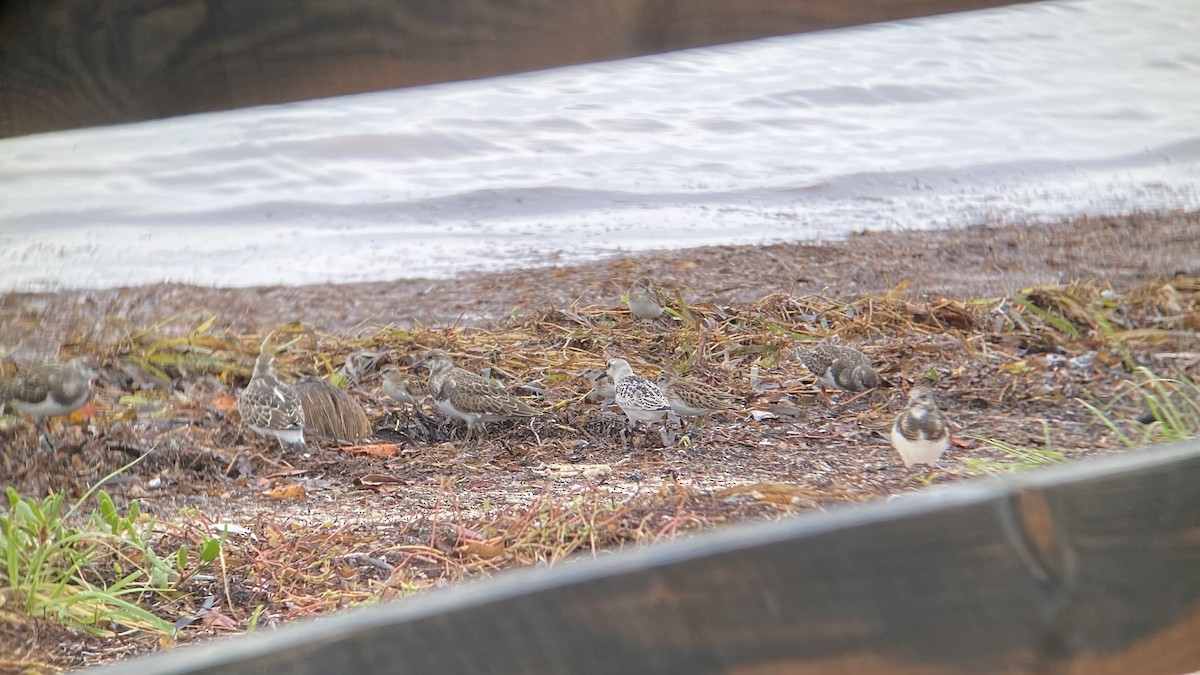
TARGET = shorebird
(920,433)
(49,390)
(689,398)
(331,414)
(645,299)
(270,407)
(467,396)
(602,387)
(404,387)
(640,399)
(839,367)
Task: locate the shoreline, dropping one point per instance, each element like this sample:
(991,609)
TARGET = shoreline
(959,263)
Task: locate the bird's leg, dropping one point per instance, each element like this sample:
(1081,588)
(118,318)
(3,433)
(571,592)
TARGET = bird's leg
(855,397)
(667,438)
(685,429)
(633,439)
(421,413)
(44,435)
(283,451)
(432,426)
(627,432)
(919,474)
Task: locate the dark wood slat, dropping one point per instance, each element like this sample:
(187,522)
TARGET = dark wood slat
(71,63)
(1090,568)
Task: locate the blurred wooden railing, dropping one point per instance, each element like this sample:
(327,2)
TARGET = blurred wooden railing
(1088,568)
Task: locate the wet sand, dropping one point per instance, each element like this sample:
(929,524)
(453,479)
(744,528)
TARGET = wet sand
(972,262)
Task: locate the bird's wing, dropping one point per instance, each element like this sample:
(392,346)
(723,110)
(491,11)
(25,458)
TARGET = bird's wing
(478,396)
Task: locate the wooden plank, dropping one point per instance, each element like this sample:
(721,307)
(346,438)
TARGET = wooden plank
(1089,568)
(70,63)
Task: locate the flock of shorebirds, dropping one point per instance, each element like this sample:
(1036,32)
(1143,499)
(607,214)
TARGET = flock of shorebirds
(271,408)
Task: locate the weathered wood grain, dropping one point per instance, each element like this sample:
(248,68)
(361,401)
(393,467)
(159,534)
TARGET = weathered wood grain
(1091,568)
(71,63)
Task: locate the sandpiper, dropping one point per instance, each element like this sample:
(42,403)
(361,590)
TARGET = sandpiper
(839,367)
(404,387)
(640,399)
(645,300)
(920,433)
(270,407)
(689,398)
(602,386)
(49,390)
(467,396)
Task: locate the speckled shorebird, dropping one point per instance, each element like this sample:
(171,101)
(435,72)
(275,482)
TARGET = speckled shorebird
(690,398)
(467,396)
(602,386)
(640,399)
(270,407)
(645,299)
(920,433)
(404,387)
(839,367)
(49,390)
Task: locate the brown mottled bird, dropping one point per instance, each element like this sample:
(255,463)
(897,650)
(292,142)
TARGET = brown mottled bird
(603,389)
(331,414)
(646,300)
(467,396)
(839,367)
(920,433)
(404,387)
(49,390)
(690,398)
(270,407)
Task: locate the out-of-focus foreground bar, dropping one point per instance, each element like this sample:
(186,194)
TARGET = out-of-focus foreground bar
(74,63)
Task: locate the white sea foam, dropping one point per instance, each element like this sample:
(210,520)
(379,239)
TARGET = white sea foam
(1025,112)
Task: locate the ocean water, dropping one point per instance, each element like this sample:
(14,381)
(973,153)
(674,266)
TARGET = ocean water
(1009,115)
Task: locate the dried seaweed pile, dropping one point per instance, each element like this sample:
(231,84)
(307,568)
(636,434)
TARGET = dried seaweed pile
(1021,370)
(170,390)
